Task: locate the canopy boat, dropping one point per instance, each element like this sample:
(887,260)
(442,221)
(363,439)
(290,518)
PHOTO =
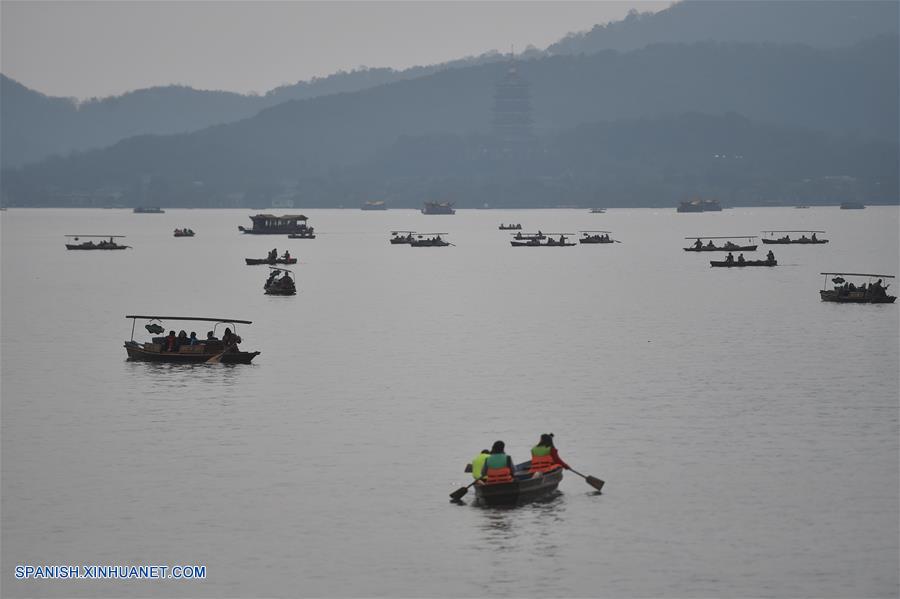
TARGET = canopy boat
(739,263)
(149,210)
(698,205)
(402,237)
(529,236)
(728,246)
(510,227)
(595,237)
(290,224)
(280,282)
(802,240)
(101,245)
(852,206)
(845,292)
(535,241)
(423,240)
(184,232)
(598,210)
(210,349)
(525,487)
(269,261)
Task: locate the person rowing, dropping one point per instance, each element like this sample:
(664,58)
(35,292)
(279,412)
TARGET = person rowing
(478,463)
(544,456)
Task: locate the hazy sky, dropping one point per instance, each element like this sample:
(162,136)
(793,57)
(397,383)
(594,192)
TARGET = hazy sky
(87,49)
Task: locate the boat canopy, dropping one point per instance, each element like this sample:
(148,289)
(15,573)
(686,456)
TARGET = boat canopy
(595,231)
(196,318)
(398,232)
(285,217)
(793,231)
(856,274)
(423,234)
(104,236)
(722,237)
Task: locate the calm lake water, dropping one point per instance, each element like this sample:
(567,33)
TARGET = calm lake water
(747,432)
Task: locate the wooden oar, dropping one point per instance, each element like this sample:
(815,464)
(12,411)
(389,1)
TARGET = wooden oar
(594,482)
(216,358)
(460,492)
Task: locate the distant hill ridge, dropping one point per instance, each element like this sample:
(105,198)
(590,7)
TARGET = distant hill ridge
(36,126)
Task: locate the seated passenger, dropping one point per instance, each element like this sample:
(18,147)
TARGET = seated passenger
(171,342)
(770,256)
(741,258)
(499,466)
(544,455)
(478,463)
(729,258)
(698,244)
(192,340)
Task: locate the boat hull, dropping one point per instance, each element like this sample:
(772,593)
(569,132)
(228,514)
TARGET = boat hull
(794,242)
(736,264)
(255,261)
(519,491)
(139,354)
(302,236)
(854,297)
(81,247)
(594,240)
(529,244)
(743,248)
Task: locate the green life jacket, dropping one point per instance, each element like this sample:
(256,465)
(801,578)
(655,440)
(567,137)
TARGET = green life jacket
(495,460)
(478,465)
(541,450)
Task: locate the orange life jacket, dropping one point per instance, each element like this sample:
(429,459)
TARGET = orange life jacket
(542,463)
(496,476)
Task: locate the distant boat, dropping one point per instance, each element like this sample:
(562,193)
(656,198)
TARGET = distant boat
(801,207)
(101,245)
(698,205)
(845,292)
(438,208)
(598,210)
(787,240)
(269,224)
(376,205)
(149,210)
(184,232)
(852,206)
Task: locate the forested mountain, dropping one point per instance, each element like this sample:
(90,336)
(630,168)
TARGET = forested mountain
(817,23)
(35,126)
(842,93)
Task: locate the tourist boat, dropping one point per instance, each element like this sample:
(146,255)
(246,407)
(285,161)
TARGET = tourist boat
(801,207)
(429,240)
(802,240)
(289,224)
(698,205)
(728,246)
(596,237)
(375,205)
(852,206)
(736,263)
(207,351)
(280,282)
(510,227)
(529,236)
(402,237)
(598,211)
(525,487)
(438,208)
(845,292)
(184,232)
(257,261)
(149,210)
(102,245)
(550,241)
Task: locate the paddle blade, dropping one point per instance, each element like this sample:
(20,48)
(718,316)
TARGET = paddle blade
(594,482)
(459,493)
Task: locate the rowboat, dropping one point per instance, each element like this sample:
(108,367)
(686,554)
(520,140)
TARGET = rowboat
(525,487)
(255,261)
(515,227)
(534,240)
(596,237)
(280,282)
(802,240)
(184,233)
(90,245)
(728,246)
(735,263)
(845,292)
(210,349)
(424,241)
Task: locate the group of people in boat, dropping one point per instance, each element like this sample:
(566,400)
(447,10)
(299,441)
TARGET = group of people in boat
(729,245)
(174,343)
(279,279)
(770,257)
(184,232)
(803,238)
(273,255)
(604,237)
(876,289)
(101,244)
(511,226)
(494,465)
(537,235)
